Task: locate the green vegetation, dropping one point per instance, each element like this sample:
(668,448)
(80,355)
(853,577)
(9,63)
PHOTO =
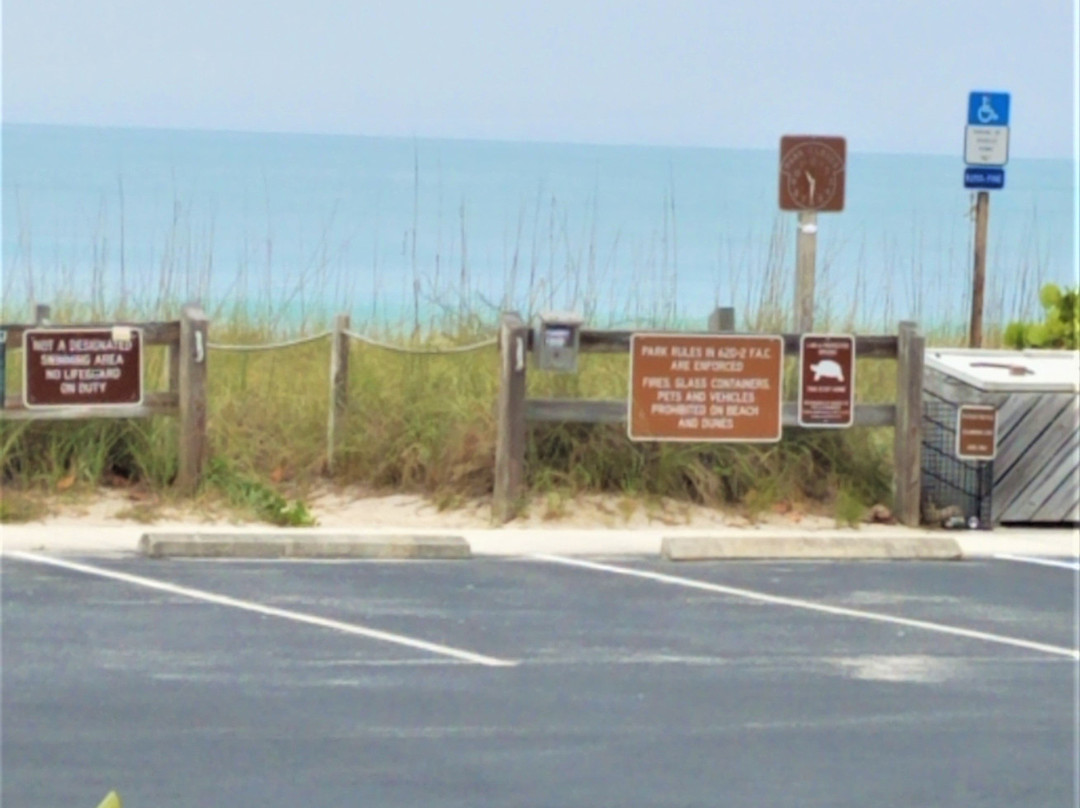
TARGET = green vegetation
(850,508)
(20,506)
(1060,327)
(425,424)
(256,497)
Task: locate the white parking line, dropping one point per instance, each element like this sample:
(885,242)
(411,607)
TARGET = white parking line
(811,606)
(271,611)
(1042,562)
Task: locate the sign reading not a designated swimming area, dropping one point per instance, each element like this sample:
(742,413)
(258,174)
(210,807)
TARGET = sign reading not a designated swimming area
(82,366)
(706,387)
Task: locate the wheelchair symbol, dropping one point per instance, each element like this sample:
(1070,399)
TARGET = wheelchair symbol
(986,112)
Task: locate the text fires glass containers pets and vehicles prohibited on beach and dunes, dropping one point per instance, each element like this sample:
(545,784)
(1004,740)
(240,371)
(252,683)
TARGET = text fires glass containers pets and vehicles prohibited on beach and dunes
(82,367)
(826,380)
(976,432)
(706,387)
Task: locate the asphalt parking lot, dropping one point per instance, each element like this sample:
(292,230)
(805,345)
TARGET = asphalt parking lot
(543,681)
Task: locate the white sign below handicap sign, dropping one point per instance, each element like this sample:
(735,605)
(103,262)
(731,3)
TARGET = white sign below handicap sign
(986,145)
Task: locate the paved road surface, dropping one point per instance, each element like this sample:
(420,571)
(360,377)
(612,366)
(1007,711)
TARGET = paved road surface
(534,682)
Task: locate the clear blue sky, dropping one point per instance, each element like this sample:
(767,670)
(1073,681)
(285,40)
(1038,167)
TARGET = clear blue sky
(891,75)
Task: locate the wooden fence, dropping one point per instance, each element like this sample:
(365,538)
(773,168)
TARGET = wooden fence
(185,398)
(514,410)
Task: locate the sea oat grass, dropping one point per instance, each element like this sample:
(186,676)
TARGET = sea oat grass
(425,423)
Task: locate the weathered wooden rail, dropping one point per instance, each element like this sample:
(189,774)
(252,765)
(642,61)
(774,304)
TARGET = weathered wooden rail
(185,398)
(514,410)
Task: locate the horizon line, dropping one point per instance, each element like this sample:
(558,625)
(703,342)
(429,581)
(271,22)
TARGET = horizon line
(491,140)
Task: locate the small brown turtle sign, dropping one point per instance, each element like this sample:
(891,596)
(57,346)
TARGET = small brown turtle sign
(82,366)
(976,432)
(705,387)
(826,380)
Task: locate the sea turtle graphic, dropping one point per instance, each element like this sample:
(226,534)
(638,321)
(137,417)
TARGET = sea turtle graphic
(827,369)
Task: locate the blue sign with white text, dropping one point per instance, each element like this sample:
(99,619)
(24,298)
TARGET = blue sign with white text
(984,178)
(988,109)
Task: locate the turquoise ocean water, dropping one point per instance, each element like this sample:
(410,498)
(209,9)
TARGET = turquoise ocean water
(391,229)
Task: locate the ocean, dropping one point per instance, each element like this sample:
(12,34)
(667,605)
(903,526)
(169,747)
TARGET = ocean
(293,228)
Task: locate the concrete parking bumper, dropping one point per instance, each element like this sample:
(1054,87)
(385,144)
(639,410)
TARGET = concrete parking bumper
(809,547)
(310,546)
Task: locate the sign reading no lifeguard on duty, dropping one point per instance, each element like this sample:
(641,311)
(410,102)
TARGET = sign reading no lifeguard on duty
(67,367)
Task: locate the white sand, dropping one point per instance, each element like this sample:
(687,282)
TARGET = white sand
(338,508)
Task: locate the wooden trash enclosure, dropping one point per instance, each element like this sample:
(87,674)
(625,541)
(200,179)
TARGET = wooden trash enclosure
(1030,472)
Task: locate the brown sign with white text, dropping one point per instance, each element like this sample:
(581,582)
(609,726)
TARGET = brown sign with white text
(826,380)
(82,366)
(705,387)
(976,432)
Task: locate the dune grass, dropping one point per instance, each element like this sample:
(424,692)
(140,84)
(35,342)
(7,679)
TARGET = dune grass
(426,424)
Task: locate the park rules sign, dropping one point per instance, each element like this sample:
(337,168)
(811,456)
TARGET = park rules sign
(82,367)
(705,387)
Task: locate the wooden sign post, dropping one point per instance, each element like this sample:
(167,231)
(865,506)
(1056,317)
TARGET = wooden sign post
(812,172)
(978,281)
(3,366)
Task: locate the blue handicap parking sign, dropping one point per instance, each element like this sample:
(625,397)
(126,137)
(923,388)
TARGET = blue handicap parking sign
(988,109)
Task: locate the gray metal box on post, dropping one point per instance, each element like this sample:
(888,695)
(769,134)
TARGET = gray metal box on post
(1034,477)
(557,341)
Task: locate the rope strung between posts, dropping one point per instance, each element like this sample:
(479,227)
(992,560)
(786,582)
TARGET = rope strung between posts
(218,346)
(456,349)
(386,346)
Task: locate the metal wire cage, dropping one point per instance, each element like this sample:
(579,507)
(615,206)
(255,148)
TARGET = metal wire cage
(952,489)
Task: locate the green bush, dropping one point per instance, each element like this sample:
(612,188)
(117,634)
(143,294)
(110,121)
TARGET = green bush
(1060,327)
(252,494)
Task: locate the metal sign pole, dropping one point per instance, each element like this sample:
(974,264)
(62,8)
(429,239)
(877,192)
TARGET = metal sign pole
(978,283)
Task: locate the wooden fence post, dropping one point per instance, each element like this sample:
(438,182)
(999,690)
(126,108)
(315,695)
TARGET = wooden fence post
(978,281)
(722,320)
(510,415)
(805,255)
(42,314)
(172,367)
(194,327)
(339,388)
(907,449)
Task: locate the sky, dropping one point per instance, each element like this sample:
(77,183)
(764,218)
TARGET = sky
(890,75)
